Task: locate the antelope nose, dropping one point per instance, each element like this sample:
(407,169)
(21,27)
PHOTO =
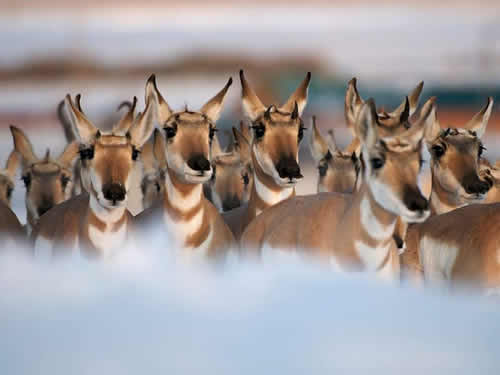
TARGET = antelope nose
(415,201)
(199,163)
(230,203)
(114,192)
(288,168)
(44,207)
(474,185)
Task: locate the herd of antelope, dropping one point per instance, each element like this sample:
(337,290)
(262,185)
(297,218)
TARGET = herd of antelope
(369,213)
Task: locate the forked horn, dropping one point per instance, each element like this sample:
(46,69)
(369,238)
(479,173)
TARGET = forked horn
(123,126)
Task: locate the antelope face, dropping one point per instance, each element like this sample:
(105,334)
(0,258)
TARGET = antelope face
(392,165)
(491,174)
(189,135)
(231,182)
(338,170)
(455,155)
(277,133)
(7,178)
(48,181)
(107,159)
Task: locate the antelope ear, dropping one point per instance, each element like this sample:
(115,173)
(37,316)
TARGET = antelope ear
(332,142)
(245,131)
(123,126)
(299,97)
(242,146)
(317,144)
(159,150)
(144,123)
(215,148)
(83,128)
(162,111)
(426,123)
(12,164)
(412,102)
(23,146)
(480,120)
(213,107)
(147,156)
(252,105)
(366,124)
(69,155)
(352,104)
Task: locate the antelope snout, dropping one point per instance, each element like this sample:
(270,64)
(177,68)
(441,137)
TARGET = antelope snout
(415,201)
(230,203)
(288,167)
(199,162)
(44,206)
(114,192)
(474,185)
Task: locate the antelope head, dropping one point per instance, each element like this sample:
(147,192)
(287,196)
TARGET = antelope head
(277,132)
(7,178)
(338,170)
(455,154)
(390,123)
(491,174)
(108,158)
(189,135)
(232,180)
(48,181)
(392,164)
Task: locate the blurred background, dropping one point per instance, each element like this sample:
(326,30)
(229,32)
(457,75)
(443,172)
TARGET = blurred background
(106,49)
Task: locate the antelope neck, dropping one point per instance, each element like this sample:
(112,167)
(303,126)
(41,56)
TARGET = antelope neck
(440,202)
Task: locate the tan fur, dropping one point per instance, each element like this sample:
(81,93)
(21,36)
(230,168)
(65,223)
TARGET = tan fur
(7,178)
(153,178)
(331,225)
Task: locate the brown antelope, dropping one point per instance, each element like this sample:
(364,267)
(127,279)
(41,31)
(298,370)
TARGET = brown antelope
(48,181)
(10,227)
(338,170)
(353,231)
(491,173)
(455,155)
(153,175)
(97,223)
(188,221)
(232,179)
(276,135)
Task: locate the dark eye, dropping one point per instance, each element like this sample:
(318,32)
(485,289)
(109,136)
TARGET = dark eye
(170,132)
(301,133)
(377,163)
(438,151)
(87,153)
(480,150)
(158,187)
(246,179)
(135,153)
(212,133)
(27,180)
(259,130)
(9,192)
(322,168)
(64,181)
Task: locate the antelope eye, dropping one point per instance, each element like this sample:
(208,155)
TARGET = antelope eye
(87,153)
(64,181)
(170,132)
(212,133)
(438,151)
(135,153)
(9,192)
(322,168)
(246,179)
(259,130)
(480,150)
(301,133)
(158,187)
(377,163)
(27,180)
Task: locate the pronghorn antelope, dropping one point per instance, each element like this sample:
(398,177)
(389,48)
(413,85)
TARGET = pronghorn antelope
(276,135)
(455,173)
(97,223)
(232,179)
(338,170)
(353,231)
(10,228)
(491,173)
(48,181)
(153,174)
(188,221)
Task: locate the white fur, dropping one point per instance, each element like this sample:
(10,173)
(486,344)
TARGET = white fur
(372,225)
(437,258)
(271,197)
(182,202)
(373,258)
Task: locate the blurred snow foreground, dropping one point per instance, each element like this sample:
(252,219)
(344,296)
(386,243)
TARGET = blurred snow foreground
(147,313)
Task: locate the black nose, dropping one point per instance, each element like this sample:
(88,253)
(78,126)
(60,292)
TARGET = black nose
(415,201)
(288,168)
(199,162)
(114,192)
(474,185)
(230,202)
(44,206)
